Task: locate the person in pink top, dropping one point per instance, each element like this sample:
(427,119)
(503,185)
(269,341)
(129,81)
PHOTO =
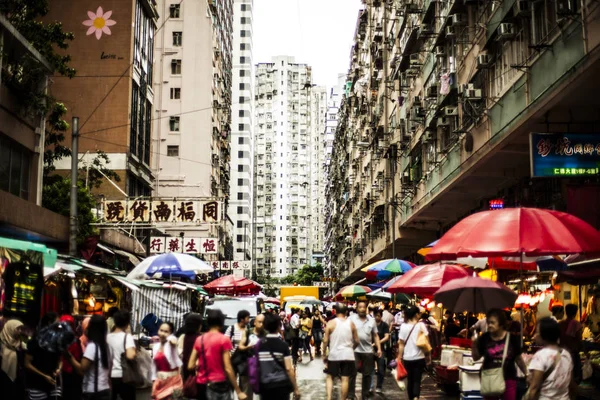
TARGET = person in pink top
(212,361)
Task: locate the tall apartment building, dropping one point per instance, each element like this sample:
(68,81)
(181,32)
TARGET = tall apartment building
(441,100)
(318,109)
(283,147)
(333,106)
(242,141)
(193,92)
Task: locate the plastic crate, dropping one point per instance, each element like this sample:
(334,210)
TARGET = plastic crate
(467,343)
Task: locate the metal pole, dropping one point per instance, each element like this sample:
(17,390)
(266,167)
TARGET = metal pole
(245,226)
(74,170)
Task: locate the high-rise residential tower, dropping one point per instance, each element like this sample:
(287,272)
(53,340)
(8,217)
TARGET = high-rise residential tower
(193,81)
(283,147)
(242,148)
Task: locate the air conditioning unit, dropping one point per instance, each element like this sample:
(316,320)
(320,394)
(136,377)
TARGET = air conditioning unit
(440,51)
(405,180)
(415,59)
(450,32)
(443,121)
(426,29)
(472,94)
(521,8)
(418,112)
(428,136)
(483,61)
(566,7)
(458,19)
(506,31)
(450,111)
(465,86)
(432,91)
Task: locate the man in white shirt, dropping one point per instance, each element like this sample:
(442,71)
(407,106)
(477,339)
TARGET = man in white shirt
(295,325)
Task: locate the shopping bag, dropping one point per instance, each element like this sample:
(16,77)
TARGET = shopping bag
(400,370)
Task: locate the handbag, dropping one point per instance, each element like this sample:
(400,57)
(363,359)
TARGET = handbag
(190,388)
(423,342)
(131,372)
(527,395)
(217,387)
(492,380)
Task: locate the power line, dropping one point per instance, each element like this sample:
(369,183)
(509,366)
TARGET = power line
(153,119)
(153,152)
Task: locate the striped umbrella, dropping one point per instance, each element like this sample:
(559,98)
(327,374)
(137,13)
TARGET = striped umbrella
(385,268)
(353,292)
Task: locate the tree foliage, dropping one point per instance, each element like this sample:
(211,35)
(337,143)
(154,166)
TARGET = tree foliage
(305,276)
(56,197)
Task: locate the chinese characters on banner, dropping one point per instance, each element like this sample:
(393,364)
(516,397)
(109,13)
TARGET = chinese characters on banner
(158,210)
(565,154)
(189,245)
(231,265)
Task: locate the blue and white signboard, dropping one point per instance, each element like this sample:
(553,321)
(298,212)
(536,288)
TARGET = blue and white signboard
(564,154)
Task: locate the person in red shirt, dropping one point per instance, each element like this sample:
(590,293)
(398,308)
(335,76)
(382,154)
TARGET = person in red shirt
(212,361)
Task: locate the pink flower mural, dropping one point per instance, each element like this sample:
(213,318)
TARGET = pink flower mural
(99,22)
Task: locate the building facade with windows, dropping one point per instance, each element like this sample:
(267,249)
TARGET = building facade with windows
(193,93)
(242,128)
(113,91)
(284,115)
(435,123)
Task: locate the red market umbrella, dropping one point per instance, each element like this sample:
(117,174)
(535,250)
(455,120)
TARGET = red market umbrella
(232,285)
(475,294)
(514,231)
(425,280)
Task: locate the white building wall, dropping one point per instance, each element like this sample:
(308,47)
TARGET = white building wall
(242,128)
(283,120)
(186,175)
(317,172)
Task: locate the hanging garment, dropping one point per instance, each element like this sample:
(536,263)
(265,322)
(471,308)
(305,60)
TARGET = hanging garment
(445,83)
(23,295)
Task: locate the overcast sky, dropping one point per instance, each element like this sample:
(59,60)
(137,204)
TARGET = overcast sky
(317,32)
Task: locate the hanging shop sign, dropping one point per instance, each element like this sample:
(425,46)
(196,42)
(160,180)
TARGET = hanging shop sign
(564,154)
(321,284)
(231,265)
(170,211)
(188,245)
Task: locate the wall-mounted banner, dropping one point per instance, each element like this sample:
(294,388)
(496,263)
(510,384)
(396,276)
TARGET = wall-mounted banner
(231,265)
(565,154)
(172,211)
(166,244)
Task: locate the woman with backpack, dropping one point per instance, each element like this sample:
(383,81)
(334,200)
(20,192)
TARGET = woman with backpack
(95,364)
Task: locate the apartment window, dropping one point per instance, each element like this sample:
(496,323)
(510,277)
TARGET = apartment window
(175,93)
(243,60)
(240,224)
(240,182)
(240,238)
(240,196)
(240,154)
(240,210)
(175,11)
(240,127)
(241,113)
(241,100)
(240,169)
(175,67)
(240,140)
(242,72)
(244,20)
(172,151)
(242,46)
(243,33)
(242,86)
(174,124)
(177,38)
(244,7)
(14,168)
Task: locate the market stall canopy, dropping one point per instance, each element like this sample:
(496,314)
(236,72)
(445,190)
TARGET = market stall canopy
(379,294)
(48,255)
(581,273)
(170,265)
(475,295)
(425,280)
(73,264)
(515,232)
(385,268)
(232,285)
